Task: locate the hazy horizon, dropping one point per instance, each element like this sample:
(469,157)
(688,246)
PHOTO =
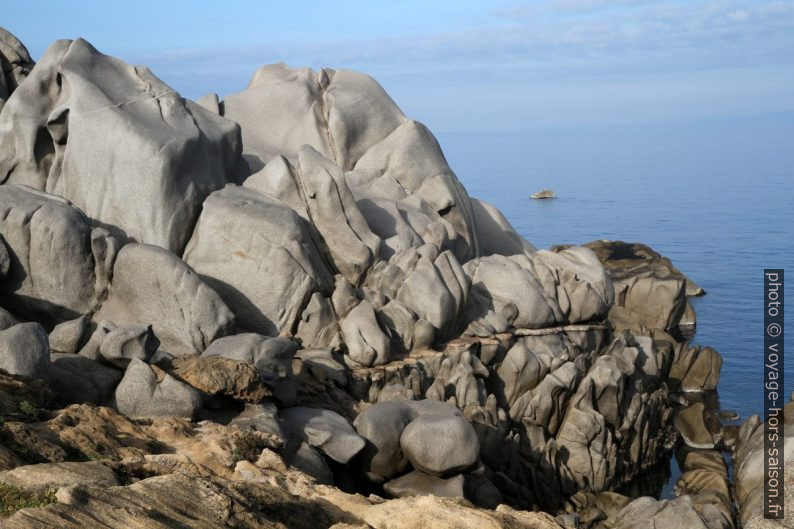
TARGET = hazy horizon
(464,66)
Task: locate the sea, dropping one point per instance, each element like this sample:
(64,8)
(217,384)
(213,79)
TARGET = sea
(716,196)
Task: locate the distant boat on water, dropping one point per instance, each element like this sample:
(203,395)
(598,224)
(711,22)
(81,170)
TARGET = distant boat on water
(544,193)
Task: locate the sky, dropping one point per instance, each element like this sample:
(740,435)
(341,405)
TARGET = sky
(461,65)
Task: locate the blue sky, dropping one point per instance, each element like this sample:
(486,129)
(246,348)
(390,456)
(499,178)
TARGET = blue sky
(462,64)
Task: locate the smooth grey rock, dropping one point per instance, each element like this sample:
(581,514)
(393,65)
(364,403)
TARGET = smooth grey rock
(438,444)
(538,290)
(78,379)
(411,197)
(210,102)
(7,319)
(311,462)
(526,364)
(348,241)
(340,113)
(116,141)
(59,266)
(240,229)
(366,342)
(323,365)
(417,483)
(650,292)
(152,286)
(24,350)
(495,233)
(15,64)
(318,326)
(67,337)
(749,474)
(272,358)
(325,430)
(382,425)
(626,258)
(142,393)
(121,344)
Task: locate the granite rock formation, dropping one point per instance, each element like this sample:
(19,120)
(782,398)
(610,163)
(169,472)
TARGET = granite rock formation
(282,307)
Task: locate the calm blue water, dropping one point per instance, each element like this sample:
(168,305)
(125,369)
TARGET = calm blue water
(716,198)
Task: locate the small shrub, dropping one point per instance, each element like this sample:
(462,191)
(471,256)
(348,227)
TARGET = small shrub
(13,499)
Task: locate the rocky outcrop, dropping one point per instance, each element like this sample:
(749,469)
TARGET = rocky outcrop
(239,230)
(24,350)
(58,267)
(650,293)
(748,469)
(152,286)
(15,64)
(63,131)
(340,317)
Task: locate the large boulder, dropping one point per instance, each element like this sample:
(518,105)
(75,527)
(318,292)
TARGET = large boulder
(365,340)
(152,286)
(410,196)
(260,256)
(439,444)
(696,368)
(749,469)
(78,379)
(149,392)
(383,425)
(15,64)
(58,266)
(325,430)
(495,233)
(24,350)
(536,290)
(340,113)
(316,188)
(650,293)
(116,141)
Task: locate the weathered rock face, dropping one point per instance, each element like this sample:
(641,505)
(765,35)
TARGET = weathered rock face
(748,468)
(58,267)
(152,286)
(24,350)
(15,64)
(348,311)
(695,368)
(78,379)
(325,430)
(650,293)
(271,357)
(215,375)
(536,291)
(144,392)
(334,110)
(260,256)
(65,129)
